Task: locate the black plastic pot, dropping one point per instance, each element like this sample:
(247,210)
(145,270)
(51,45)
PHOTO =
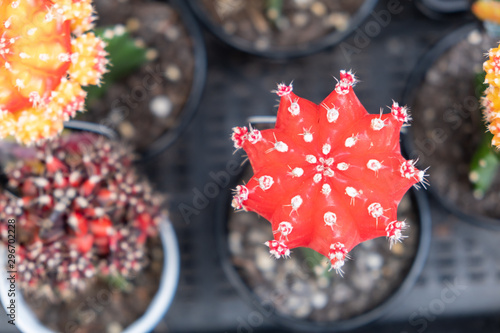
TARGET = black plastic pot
(288,52)
(200,72)
(86,126)
(415,80)
(166,134)
(420,204)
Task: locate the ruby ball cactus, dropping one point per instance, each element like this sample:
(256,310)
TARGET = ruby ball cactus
(81,210)
(328,176)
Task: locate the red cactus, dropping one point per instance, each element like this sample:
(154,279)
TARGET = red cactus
(328,176)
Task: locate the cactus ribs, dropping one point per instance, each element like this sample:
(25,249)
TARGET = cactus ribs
(328,176)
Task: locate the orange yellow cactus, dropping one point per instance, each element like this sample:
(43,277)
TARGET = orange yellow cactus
(46,56)
(491,99)
(487,10)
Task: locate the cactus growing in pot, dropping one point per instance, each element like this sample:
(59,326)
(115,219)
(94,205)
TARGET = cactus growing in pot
(47,56)
(328,176)
(486,160)
(491,100)
(81,211)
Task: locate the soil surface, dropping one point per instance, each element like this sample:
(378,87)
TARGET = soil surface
(149,102)
(301,286)
(104,307)
(448,125)
(297,22)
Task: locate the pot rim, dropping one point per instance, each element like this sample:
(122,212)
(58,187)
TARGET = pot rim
(415,79)
(424,217)
(87,126)
(26,321)
(312,47)
(442,9)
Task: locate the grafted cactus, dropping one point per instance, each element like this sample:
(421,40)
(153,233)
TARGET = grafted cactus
(491,99)
(46,56)
(328,176)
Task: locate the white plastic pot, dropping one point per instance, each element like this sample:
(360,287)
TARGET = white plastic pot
(27,322)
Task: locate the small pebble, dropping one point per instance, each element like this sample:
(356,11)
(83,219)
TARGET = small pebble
(235,245)
(151,54)
(283,23)
(298,287)
(433,77)
(272,14)
(115,116)
(114,327)
(398,249)
(139,43)
(302,3)
(126,130)
(342,293)
(173,73)
(224,8)
(318,8)
(319,300)
(161,106)
(133,24)
(362,280)
(478,194)
(304,309)
(119,30)
(262,43)
(293,302)
(260,23)
(374,261)
(108,34)
(318,270)
(300,20)
(338,20)
(474,37)
(263,261)
(172,34)
(257,236)
(323,282)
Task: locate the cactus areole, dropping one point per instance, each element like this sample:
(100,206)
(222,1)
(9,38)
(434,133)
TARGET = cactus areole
(46,56)
(328,176)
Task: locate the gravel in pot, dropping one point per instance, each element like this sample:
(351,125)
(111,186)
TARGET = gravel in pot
(282,29)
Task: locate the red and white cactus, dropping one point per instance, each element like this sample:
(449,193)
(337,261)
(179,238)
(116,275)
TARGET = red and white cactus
(328,176)
(81,209)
